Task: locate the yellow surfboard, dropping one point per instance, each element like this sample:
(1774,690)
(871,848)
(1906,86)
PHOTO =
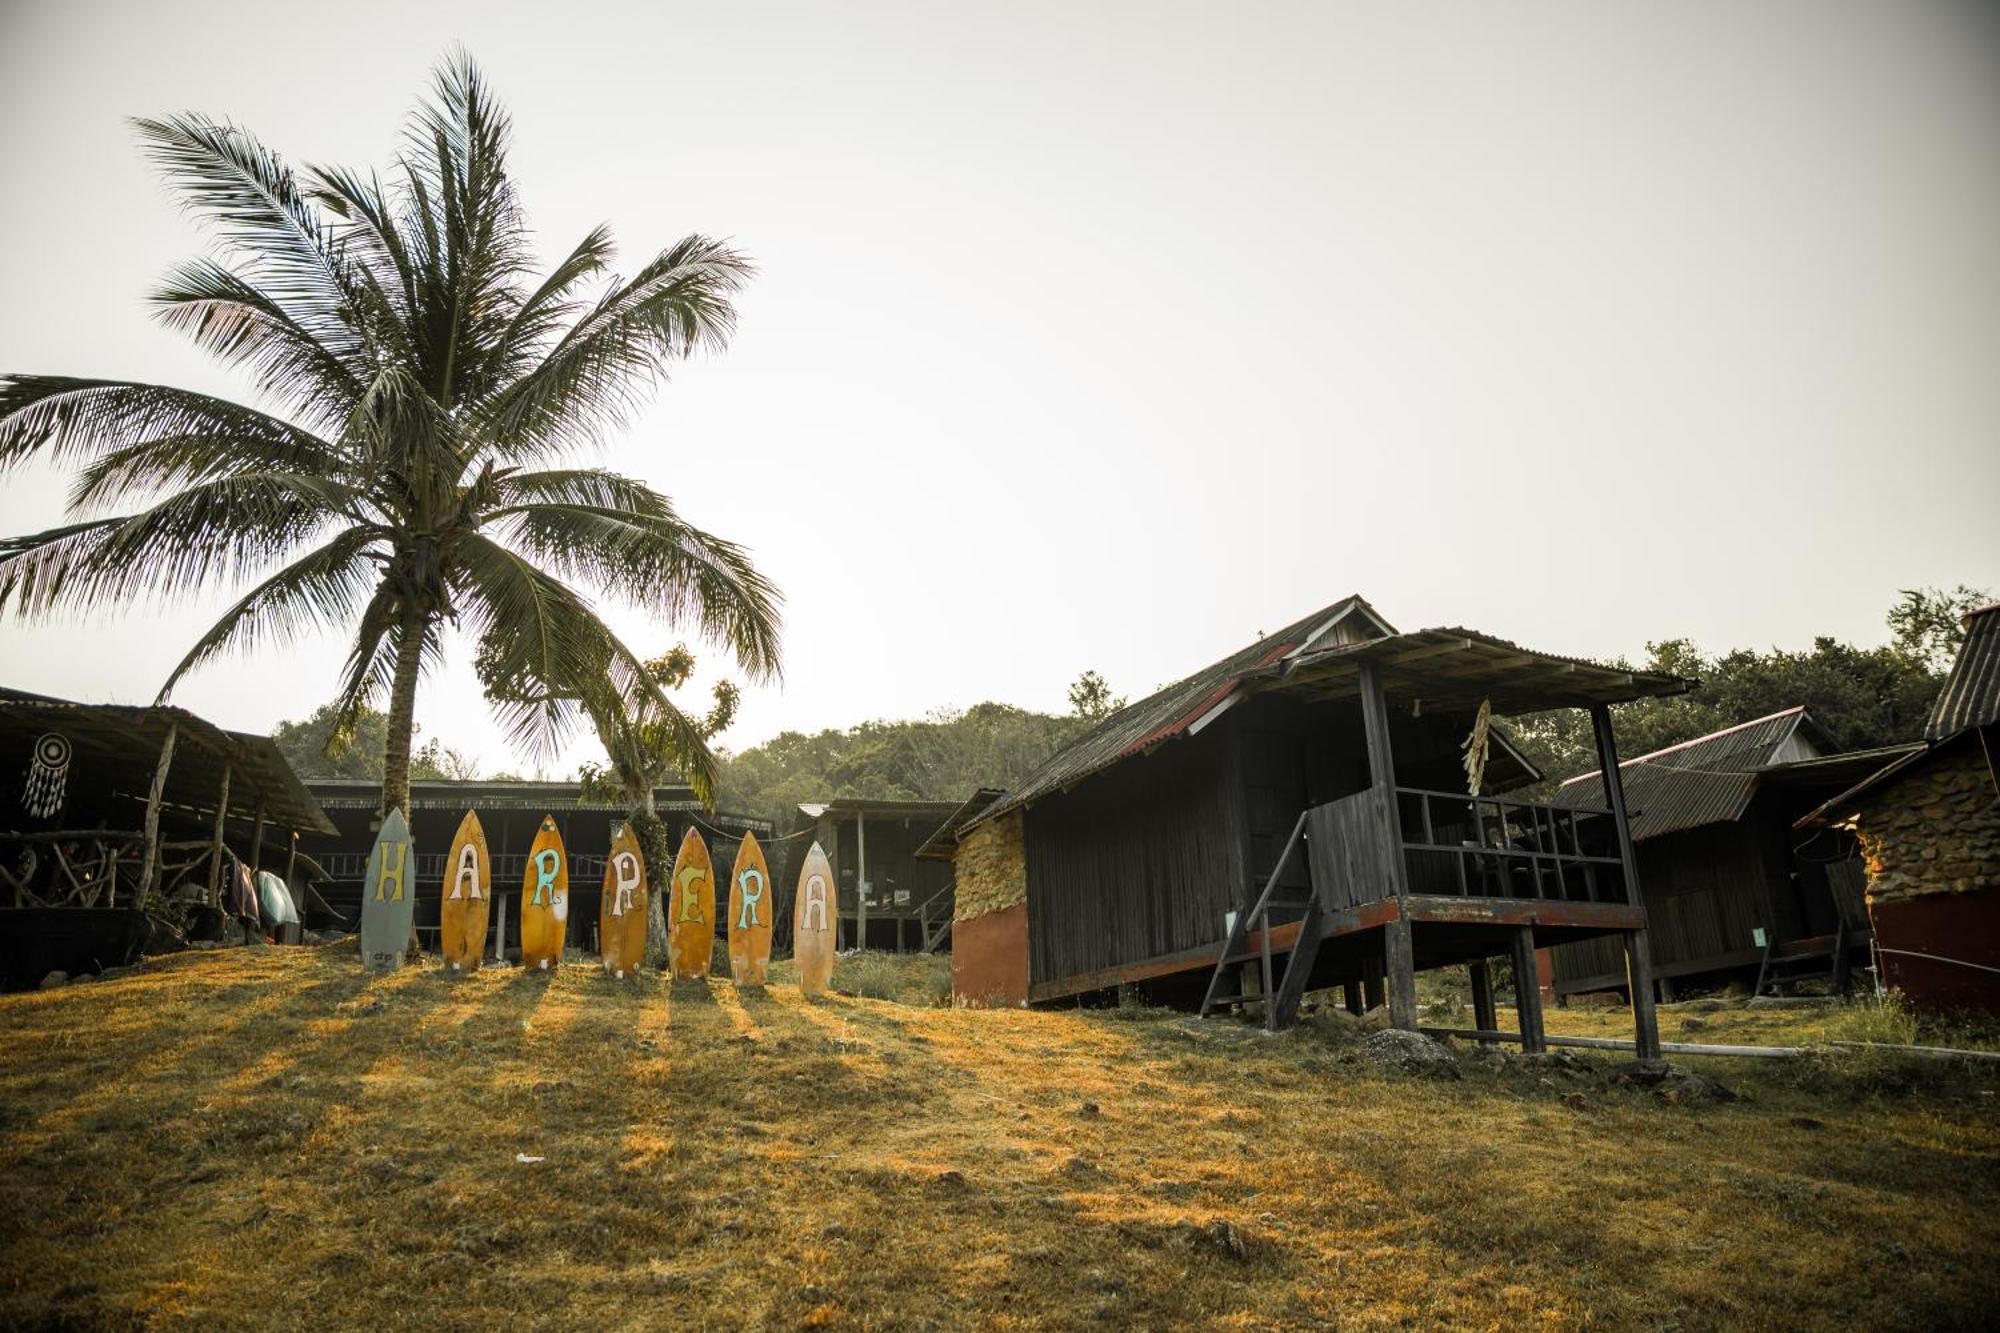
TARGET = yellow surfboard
(544,898)
(815,918)
(468,893)
(621,920)
(691,910)
(749,914)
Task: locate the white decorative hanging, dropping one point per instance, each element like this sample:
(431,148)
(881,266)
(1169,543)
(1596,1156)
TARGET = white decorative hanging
(48,776)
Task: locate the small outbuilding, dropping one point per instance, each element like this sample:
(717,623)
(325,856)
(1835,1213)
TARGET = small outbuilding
(890,897)
(1326,806)
(1928,830)
(121,822)
(1730,889)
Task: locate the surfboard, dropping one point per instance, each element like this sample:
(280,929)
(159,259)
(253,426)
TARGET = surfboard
(815,918)
(621,920)
(544,898)
(750,910)
(468,895)
(691,910)
(389,895)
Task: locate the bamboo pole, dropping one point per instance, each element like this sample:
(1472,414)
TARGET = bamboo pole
(149,867)
(215,843)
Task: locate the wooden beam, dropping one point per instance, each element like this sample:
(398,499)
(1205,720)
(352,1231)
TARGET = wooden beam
(1483,1015)
(1400,962)
(215,843)
(149,867)
(257,839)
(1382,773)
(1614,793)
(1528,991)
(1431,650)
(1639,977)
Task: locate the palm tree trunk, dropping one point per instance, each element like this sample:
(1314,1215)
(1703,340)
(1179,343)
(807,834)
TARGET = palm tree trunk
(651,832)
(402,711)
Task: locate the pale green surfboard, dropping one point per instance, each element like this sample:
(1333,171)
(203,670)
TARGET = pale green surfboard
(389,895)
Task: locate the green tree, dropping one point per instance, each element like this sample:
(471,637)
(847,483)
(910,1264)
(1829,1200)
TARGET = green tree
(425,396)
(315,747)
(1863,697)
(1090,697)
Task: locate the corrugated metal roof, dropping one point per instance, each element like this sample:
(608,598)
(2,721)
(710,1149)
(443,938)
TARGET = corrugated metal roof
(127,739)
(941,845)
(1708,780)
(1971,693)
(1171,711)
(1442,667)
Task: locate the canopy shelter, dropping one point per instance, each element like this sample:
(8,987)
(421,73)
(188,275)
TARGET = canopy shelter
(105,805)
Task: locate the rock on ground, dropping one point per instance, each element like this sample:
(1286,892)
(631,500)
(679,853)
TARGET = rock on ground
(1410,1052)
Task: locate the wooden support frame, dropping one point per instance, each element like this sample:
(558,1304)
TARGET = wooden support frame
(1382,772)
(1528,992)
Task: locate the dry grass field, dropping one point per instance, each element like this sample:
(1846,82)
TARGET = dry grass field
(266,1138)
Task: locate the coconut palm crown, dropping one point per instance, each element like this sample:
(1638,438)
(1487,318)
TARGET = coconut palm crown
(426,402)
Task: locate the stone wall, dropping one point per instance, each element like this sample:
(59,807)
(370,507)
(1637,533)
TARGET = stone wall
(1934,830)
(991,866)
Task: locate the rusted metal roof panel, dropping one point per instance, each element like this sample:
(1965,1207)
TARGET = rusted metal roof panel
(1708,780)
(1971,693)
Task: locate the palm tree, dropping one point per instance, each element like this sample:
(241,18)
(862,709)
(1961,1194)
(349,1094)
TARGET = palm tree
(416,466)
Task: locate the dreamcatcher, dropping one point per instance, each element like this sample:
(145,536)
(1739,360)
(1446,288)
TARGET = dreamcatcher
(48,775)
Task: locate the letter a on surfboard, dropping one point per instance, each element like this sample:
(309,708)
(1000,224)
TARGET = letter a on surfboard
(544,898)
(749,914)
(815,917)
(467,894)
(621,918)
(691,910)
(389,895)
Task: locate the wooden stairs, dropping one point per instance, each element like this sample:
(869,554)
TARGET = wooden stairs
(1281,1002)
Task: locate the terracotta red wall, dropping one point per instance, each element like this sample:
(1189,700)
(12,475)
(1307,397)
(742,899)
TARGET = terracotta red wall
(989,958)
(1962,926)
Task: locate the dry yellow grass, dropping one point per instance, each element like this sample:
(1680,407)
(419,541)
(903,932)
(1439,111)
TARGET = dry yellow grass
(267,1138)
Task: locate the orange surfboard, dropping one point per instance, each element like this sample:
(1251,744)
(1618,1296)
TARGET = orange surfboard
(815,918)
(621,921)
(749,914)
(691,910)
(468,893)
(544,898)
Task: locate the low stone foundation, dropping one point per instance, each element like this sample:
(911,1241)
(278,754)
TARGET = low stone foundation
(989,958)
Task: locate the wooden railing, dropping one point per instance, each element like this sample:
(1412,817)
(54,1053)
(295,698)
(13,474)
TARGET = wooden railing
(1464,846)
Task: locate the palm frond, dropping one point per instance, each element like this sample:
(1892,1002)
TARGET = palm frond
(242,325)
(322,589)
(230,528)
(599,370)
(61,418)
(654,560)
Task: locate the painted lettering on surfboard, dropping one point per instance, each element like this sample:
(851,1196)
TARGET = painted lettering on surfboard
(622,914)
(691,910)
(468,895)
(750,913)
(815,918)
(544,898)
(388,895)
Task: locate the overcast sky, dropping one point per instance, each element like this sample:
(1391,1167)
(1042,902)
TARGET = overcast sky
(1108,336)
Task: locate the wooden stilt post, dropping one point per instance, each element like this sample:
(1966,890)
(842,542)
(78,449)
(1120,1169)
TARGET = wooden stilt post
(860,880)
(1483,1016)
(1639,978)
(257,839)
(1351,991)
(1638,952)
(1400,961)
(1528,991)
(149,867)
(215,843)
(1371,984)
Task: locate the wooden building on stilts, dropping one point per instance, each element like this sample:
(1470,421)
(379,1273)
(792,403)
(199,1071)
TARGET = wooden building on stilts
(1296,817)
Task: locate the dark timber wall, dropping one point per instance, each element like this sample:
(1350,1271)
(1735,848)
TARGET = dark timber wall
(1147,858)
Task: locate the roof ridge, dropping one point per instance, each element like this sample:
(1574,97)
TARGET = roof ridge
(1698,740)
